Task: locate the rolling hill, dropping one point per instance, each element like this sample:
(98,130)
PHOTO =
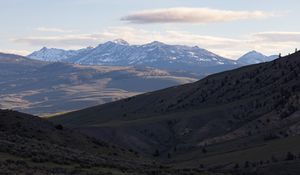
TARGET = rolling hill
(43,88)
(31,145)
(242,121)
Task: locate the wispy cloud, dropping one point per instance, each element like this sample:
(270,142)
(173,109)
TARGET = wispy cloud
(266,42)
(78,40)
(279,36)
(192,15)
(18,52)
(57,30)
(133,35)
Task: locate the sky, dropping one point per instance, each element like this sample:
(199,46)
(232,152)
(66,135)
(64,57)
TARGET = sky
(229,28)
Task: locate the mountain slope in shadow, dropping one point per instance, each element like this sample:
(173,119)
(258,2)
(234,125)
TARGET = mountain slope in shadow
(228,112)
(31,145)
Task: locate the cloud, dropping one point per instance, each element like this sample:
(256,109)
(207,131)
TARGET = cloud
(58,41)
(17,52)
(57,30)
(133,35)
(289,37)
(266,42)
(192,15)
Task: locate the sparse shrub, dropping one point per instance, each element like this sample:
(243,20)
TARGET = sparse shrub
(270,137)
(204,150)
(156,153)
(289,156)
(169,156)
(201,166)
(59,127)
(257,80)
(274,159)
(247,164)
(236,166)
(175,149)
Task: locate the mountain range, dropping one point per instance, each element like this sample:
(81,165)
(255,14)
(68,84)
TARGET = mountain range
(36,82)
(155,54)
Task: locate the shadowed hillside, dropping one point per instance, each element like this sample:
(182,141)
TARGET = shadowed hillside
(235,114)
(30,145)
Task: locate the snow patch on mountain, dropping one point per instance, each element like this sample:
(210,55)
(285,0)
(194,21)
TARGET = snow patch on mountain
(120,53)
(55,55)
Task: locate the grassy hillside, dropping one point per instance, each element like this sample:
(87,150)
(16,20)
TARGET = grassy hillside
(31,145)
(226,112)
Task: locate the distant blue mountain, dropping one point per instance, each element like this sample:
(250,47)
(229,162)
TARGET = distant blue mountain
(255,57)
(55,55)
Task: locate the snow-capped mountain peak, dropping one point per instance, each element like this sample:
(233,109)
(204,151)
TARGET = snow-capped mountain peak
(55,55)
(155,54)
(48,54)
(156,43)
(254,53)
(44,48)
(254,57)
(120,42)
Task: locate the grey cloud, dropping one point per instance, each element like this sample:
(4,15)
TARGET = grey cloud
(192,15)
